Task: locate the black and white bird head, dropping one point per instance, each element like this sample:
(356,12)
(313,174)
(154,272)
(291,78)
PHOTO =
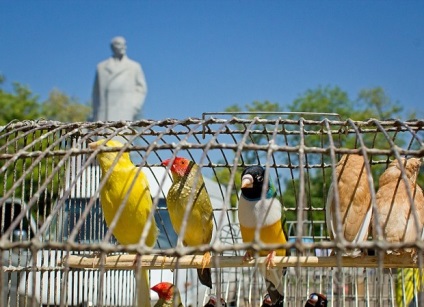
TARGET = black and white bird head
(252,181)
(316,300)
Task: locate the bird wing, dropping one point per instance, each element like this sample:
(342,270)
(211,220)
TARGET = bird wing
(354,200)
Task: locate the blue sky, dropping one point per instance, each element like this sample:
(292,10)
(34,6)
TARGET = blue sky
(202,56)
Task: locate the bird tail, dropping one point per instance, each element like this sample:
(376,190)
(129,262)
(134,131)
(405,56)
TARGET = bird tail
(205,277)
(143,293)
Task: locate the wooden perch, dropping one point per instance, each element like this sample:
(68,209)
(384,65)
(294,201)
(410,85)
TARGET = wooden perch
(156,262)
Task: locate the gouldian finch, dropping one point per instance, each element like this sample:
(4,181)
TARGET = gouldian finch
(316,300)
(188,191)
(263,214)
(213,302)
(395,216)
(169,296)
(137,209)
(355,208)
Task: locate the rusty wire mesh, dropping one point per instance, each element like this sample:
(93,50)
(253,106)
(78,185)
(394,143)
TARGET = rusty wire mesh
(50,211)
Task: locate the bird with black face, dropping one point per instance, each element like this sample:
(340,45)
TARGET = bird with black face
(316,300)
(263,214)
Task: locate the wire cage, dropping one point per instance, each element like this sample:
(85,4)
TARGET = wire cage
(58,251)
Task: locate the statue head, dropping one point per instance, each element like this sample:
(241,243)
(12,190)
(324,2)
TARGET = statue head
(119,46)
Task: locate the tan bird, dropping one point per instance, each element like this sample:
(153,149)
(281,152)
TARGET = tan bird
(395,215)
(354,202)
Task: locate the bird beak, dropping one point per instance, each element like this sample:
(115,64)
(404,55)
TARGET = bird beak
(166,162)
(247,181)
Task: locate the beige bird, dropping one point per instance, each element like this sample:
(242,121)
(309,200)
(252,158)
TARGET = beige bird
(395,215)
(354,202)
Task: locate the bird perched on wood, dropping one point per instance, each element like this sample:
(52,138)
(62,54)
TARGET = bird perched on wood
(263,214)
(213,302)
(394,211)
(354,204)
(188,192)
(126,180)
(316,300)
(169,295)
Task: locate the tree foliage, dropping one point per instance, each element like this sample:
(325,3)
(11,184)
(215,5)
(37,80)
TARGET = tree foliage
(64,108)
(370,103)
(21,104)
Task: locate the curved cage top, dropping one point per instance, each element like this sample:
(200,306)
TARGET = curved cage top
(50,183)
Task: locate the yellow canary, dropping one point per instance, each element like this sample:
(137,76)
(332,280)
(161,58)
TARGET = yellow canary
(187,188)
(169,295)
(354,202)
(125,179)
(263,214)
(408,285)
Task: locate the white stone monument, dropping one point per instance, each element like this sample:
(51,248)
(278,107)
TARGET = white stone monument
(120,87)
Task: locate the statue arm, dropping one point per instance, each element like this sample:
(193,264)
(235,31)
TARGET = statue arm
(95,96)
(141,84)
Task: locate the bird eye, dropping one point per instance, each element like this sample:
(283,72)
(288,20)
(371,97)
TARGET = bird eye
(314,297)
(260,178)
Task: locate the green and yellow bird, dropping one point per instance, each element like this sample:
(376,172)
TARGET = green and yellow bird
(187,188)
(169,295)
(125,179)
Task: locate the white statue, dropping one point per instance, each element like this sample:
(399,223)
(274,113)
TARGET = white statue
(120,87)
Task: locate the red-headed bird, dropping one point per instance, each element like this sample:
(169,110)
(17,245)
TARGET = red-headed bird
(169,296)
(355,208)
(263,213)
(188,188)
(395,216)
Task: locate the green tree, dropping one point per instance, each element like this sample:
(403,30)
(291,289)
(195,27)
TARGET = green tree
(378,104)
(64,108)
(323,100)
(21,104)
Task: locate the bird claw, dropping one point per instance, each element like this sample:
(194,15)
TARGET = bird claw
(247,257)
(163,261)
(136,260)
(270,260)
